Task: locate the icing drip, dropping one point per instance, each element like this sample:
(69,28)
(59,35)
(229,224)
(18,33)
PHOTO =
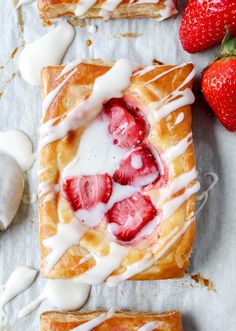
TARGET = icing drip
(105,265)
(18,145)
(144,71)
(63,294)
(179,183)
(179,118)
(148,260)
(47,50)
(204,195)
(170,207)
(164,73)
(178,149)
(67,235)
(70,66)
(14,287)
(84,6)
(47,191)
(12,182)
(177,99)
(52,95)
(153,326)
(110,85)
(93,323)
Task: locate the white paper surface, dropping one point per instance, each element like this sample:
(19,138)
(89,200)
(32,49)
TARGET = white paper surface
(214,252)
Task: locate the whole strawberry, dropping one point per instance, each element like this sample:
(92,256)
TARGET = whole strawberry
(218,84)
(204,22)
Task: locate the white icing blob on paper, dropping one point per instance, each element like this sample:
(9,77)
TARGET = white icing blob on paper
(12,181)
(47,50)
(93,323)
(19,146)
(21,278)
(63,294)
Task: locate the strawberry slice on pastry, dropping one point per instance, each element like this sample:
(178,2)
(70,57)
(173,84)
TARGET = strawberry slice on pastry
(84,192)
(126,125)
(138,169)
(127,217)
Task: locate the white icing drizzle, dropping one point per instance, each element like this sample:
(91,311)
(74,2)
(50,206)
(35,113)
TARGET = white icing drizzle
(107,86)
(21,3)
(93,323)
(12,180)
(51,96)
(21,278)
(67,235)
(170,207)
(83,6)
(47,190)
(144,71)
(204,195)
(179,118)
(177,184)
(105,265)
(147,261)
(63,294)
(110,5)
(178,149)
(177,99)
(47,50)
(19,146)
(69,67)
(150,326)
(164,73)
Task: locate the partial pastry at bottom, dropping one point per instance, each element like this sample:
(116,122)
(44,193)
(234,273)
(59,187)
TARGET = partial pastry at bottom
(112,321)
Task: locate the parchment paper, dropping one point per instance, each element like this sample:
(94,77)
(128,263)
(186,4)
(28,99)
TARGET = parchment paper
(214,252)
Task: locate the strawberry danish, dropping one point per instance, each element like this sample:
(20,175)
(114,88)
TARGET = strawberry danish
(117,178)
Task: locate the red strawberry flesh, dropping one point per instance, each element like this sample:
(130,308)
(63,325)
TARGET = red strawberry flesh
(138,169)
(130,215)
(84,192)
(126,124)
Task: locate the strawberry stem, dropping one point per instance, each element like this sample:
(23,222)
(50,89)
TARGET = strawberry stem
(228,46)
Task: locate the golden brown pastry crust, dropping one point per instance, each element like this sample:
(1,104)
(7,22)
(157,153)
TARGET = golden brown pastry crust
(57,8)
(126,321)
(165,134)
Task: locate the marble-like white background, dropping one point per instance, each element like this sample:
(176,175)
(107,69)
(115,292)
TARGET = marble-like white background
(214,252)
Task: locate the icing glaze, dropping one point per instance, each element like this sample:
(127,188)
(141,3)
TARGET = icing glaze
(179,118)
(14,287)
(19,146)
(93,323)
(63,294)
(105,87)
(178,149)
(12,180)
(67,235)
(150,326)
(105,265)
(47,50)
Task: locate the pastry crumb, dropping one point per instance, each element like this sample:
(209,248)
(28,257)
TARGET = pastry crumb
(205,282)
(89,42)
(128,35)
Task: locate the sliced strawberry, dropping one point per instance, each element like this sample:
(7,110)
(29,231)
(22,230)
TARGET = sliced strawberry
(130,215)
(84,192)
(138,169)
(126,124)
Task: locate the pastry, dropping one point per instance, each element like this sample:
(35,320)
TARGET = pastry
(127,321)
(106,9)
(117,178)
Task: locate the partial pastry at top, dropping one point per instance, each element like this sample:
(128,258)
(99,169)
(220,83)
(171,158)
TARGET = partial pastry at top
(160,9)
(117,177)
(119,321)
